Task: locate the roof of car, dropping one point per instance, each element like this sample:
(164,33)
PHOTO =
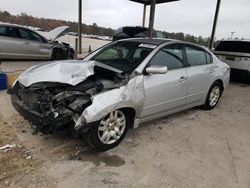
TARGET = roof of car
(159,41)
(9,24)
(153,41)
(12,25)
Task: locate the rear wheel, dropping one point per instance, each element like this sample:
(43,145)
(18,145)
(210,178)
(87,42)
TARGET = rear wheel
(110,131)
(213,96)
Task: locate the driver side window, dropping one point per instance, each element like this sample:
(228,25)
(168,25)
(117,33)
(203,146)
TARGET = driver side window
(29,35)
(170,56)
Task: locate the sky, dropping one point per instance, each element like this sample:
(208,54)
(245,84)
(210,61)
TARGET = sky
(188,16)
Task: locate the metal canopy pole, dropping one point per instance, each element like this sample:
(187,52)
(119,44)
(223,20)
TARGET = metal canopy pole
(80,26)
(144,15)
(211,42)
(151,19)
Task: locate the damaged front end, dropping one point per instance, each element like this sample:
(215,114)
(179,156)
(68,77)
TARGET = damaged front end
(50,106)
(74,95)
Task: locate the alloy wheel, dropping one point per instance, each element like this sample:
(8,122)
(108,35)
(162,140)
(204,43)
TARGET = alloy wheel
(214,96)
(111,127)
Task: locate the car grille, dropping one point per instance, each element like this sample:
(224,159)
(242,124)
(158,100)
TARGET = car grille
(29,97)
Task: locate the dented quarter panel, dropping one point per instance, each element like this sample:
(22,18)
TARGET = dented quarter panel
(128,96)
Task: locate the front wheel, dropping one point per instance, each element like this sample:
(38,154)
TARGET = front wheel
(58,54)
(110,131)
(213,96)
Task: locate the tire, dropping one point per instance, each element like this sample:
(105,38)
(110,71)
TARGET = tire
(213,96)
(58,54)
(109,131)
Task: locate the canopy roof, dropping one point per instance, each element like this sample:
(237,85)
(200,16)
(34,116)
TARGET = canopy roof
(148,2)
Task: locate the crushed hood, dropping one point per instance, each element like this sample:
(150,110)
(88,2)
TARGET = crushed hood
(57,32)
(69,72)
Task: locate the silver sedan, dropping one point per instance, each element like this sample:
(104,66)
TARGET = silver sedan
(19,42)
(118,87)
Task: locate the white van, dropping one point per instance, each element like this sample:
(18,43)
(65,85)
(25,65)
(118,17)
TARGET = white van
(235,53)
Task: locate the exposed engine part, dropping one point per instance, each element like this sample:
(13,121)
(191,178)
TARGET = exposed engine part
(73,101)
(51,106)
(55,104)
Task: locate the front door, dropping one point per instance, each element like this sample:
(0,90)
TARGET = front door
(166,92)
(34,46)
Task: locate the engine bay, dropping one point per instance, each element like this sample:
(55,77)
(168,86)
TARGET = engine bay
(60,102)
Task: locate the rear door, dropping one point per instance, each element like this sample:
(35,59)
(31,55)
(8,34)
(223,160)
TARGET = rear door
(165,92)
(200,73)
(10,44)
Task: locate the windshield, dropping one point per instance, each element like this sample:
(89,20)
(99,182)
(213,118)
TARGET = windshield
(234,46)
(124,55)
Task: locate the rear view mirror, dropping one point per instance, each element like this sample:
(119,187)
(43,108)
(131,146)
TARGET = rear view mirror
(157,69)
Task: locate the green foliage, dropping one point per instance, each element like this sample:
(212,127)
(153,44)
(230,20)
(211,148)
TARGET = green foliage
(187,37)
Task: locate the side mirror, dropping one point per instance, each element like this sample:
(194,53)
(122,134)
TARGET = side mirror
(157,69)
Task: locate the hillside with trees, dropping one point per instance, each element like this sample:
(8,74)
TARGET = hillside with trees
(48,24)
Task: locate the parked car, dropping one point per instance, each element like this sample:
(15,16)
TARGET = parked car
(119,86)
(18,42)
(235,53)
(134,32)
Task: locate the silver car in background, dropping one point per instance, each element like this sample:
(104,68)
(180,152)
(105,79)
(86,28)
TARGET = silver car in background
(118,87)
(19,42)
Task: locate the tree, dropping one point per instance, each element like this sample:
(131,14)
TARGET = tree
(95,29)
(48,24)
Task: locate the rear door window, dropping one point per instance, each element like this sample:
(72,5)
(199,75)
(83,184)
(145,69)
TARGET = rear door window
(11,32)
(3,31)
(196,56)
(8,32)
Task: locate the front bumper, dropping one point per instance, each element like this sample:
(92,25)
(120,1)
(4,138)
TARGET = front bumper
(34,117)
(40,120)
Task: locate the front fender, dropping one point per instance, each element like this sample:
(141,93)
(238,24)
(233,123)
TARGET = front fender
(131,95)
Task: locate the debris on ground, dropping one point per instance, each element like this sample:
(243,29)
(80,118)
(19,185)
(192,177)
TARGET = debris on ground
(192,116)
(6,148)
(187,149)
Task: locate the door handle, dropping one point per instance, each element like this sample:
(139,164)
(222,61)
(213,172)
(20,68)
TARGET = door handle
(182,79)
